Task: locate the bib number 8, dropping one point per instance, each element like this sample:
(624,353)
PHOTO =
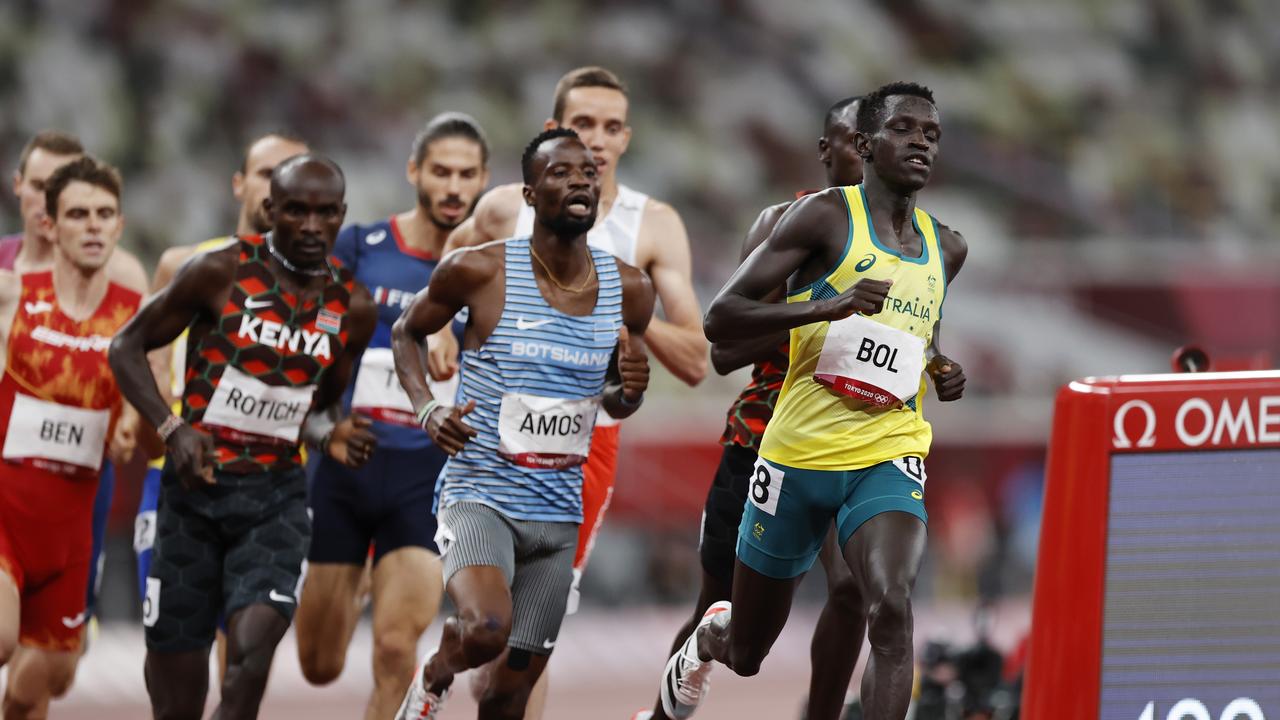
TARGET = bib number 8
(766,486)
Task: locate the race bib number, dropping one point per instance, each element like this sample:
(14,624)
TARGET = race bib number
(379,395)
(144,531)
(913,467)
(246,405)
(871,361)
(765,487)
(41,430)
(543,432)
(151,603)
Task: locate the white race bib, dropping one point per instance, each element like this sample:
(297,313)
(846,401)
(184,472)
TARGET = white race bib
(247,405)
(543,432)
(50,431)
(871,361)
(379,395)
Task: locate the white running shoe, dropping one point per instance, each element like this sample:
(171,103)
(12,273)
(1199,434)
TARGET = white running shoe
(419,702)
(686,680)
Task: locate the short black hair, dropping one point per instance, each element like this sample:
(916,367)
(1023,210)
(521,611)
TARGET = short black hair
(836,110)
(283,134)
(450,124)
(526,160)
(85,169)
(872,109)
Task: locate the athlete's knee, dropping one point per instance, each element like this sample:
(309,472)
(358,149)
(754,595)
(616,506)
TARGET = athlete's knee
(393,652)
(61,676)
(484,635)
(320,667)
(889,619)
(845,595)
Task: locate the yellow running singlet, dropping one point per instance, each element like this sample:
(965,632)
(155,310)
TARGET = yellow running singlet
(816,428)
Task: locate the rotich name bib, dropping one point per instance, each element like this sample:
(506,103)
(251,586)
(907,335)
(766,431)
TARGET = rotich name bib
(871,361)
(246,405)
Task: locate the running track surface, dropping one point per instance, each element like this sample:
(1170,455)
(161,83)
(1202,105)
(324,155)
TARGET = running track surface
(606,666)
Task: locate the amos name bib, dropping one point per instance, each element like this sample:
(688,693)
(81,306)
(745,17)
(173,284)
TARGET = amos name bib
(543,432)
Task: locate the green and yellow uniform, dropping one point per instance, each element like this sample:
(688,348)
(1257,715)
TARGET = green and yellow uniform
(827,455)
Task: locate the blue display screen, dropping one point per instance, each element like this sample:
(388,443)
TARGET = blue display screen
(1192,619)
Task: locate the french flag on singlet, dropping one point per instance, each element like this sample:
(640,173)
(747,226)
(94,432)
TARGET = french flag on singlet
(393,272)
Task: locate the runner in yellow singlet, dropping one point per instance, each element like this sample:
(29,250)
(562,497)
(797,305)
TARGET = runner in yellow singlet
(866,273)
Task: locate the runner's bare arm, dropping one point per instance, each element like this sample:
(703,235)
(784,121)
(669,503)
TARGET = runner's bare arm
(815,228)
(199,288)
(456,280)
(948,376)
(493,219)
(361,319)
(346,439)
(628,376)
(732,354)
(161,360)
(677,342)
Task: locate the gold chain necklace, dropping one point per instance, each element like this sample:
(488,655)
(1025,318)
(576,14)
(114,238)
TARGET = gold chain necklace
(591,270)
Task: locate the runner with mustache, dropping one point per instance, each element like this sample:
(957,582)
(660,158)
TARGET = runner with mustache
(388,500)
(555,333)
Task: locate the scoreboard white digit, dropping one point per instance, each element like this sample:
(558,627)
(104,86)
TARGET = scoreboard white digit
(1157,592)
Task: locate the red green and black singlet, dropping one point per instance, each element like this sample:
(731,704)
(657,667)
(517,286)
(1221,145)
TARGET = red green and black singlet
(751,411)
(251,378)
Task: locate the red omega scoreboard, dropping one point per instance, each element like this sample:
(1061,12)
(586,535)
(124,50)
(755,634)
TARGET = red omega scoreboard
(1157,590)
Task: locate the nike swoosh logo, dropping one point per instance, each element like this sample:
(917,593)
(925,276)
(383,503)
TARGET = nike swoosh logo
(74,622)
(548,644)
(277,597)
(252,304)
(376,237)
(522,324)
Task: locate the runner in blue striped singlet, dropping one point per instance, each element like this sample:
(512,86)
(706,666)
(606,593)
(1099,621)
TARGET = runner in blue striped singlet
(554,333)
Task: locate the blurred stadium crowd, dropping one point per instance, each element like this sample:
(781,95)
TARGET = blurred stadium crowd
(1113,165)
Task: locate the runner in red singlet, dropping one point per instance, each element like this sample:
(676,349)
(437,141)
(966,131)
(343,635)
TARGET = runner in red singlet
(58,405)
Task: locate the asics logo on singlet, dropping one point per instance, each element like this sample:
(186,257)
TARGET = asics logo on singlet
(559,354)
(38,307)
(865,263)
(375,237)
(281,336)
(92,343)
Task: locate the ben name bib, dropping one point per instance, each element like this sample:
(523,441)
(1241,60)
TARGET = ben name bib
(49,431)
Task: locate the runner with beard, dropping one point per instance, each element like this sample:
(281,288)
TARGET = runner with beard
(548,315)
(389,500)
